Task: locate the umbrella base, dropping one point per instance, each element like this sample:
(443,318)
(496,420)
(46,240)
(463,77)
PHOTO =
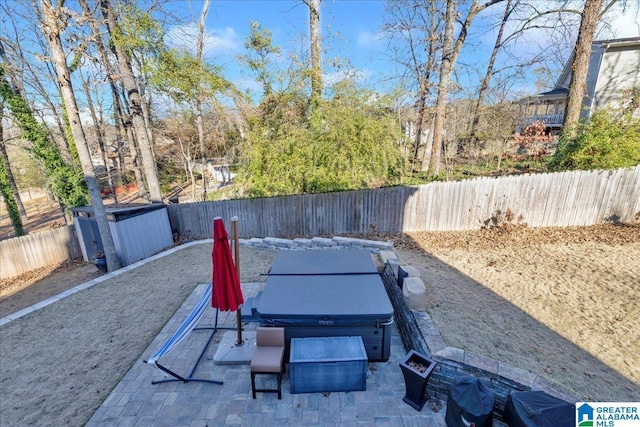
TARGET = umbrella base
(228,353)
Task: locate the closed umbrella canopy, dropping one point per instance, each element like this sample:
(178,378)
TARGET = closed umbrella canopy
(227,294)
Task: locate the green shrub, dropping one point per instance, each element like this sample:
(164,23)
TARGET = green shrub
(609,140)
(349,141)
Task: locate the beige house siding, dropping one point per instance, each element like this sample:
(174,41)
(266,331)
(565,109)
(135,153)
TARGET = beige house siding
(620,70)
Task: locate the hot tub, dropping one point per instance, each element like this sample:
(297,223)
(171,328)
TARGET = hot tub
(330,305)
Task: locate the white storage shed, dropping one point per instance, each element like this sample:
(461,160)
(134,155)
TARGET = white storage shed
(138,230)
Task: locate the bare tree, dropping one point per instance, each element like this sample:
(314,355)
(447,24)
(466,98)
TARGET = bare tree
(417,30)
(135,103)
(449,56)
(99,133)
(54,21)
(119,114)
(580,65)
(487,77)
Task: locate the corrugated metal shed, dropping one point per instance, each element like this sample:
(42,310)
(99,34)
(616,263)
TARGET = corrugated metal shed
(138,231)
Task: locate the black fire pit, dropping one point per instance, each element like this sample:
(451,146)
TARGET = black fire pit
(416,368)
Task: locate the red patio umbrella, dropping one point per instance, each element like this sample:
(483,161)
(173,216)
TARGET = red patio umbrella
(227,294)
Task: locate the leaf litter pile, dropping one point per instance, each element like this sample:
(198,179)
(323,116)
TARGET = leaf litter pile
(508,236)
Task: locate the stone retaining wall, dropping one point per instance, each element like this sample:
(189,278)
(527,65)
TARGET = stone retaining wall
(320,243)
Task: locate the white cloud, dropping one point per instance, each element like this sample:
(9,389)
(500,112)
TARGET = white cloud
(222,40)
(368,40)
(623,25)
(217,41)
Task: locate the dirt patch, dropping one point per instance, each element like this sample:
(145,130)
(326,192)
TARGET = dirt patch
(41,215)
(37,285)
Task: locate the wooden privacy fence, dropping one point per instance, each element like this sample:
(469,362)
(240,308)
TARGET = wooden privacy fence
(26,253)
(543,200)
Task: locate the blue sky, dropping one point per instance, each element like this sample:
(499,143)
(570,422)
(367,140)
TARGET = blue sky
(349,32)
(351,36)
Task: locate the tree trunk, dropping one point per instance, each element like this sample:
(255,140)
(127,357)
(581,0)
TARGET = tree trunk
(52,26)
(111,165)
(316,66)
(137,172)
(120,138)
(487,77)
(443,88)
(8,188)
(428,145)
(7,165)
(133,148)
(145,103)
(420,120)
(188,166)
(135,104)
(10,179)
(580,65)
(198,100)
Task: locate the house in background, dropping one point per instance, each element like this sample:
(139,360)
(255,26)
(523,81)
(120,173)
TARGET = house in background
(614,67)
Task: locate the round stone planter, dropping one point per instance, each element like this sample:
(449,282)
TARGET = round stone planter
(416,368)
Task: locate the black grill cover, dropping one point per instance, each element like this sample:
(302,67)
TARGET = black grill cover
(470,403)
(537,409)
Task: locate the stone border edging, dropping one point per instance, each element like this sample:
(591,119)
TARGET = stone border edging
(318,243)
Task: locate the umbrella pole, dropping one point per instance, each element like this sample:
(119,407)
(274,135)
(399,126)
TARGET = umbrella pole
(236,248)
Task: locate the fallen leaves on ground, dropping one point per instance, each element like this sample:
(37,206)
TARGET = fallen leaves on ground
(509,235)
